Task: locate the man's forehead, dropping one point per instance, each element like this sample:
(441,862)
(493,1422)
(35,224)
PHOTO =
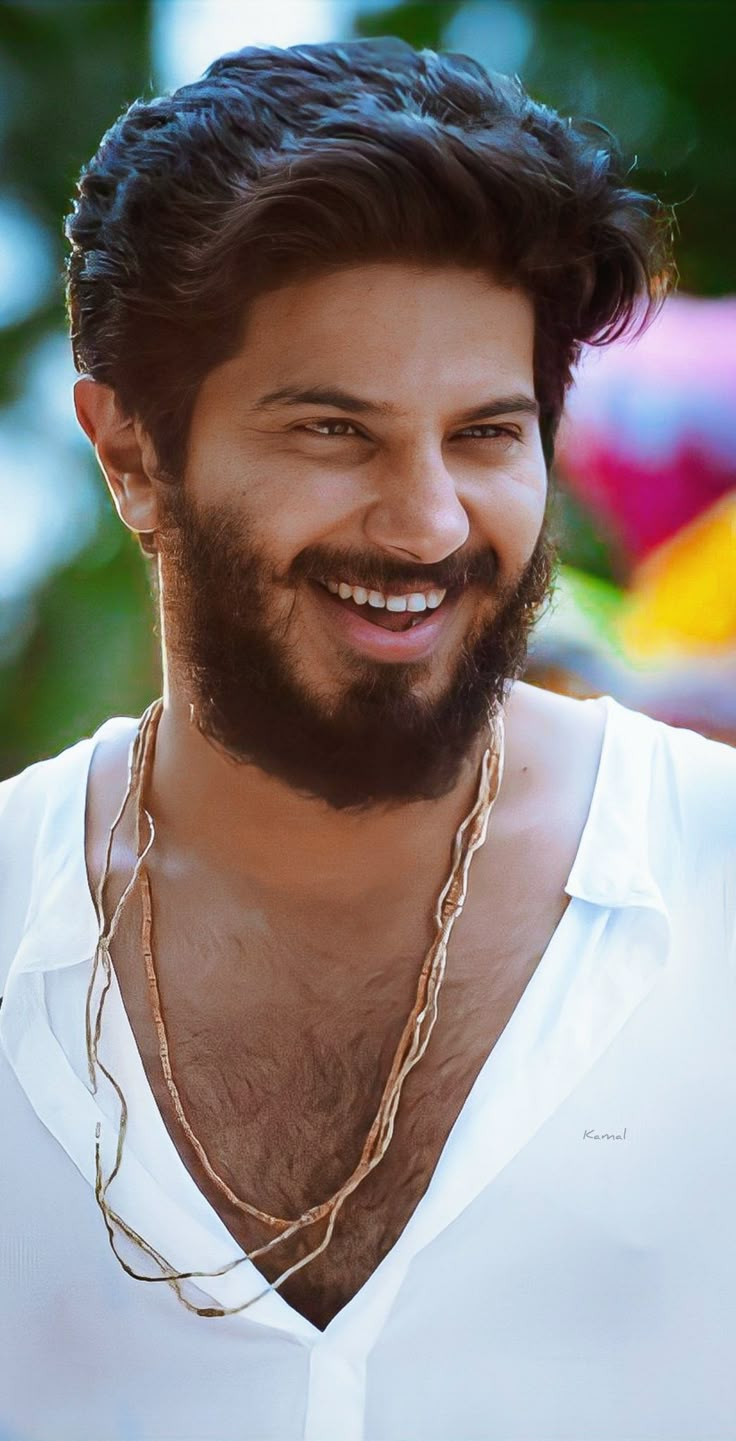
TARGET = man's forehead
(440,335)
(381,292)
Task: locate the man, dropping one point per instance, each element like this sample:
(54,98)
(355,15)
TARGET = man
(334,1116)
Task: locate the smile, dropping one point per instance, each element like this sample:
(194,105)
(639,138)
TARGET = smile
(387,632)
(396,603)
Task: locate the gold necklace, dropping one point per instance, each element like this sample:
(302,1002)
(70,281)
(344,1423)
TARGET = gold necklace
(411,1047)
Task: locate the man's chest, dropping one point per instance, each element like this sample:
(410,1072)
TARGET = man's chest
(280,1088)
(281,1104)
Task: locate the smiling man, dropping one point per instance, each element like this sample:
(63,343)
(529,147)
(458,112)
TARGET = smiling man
(368,1012)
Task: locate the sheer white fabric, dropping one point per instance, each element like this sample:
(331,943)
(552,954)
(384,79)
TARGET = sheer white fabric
(569,1274)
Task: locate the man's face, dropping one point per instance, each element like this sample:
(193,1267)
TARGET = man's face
(396,491)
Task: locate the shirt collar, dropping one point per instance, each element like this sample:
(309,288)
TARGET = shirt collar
(61,926)
(612,866)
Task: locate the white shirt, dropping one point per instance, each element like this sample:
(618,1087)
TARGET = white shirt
(569,1274)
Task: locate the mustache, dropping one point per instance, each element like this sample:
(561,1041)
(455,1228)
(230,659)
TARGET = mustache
(380,573)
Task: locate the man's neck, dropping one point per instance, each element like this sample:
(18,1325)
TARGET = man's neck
(251,830)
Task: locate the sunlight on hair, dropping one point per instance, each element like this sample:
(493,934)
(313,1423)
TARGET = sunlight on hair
(187,35)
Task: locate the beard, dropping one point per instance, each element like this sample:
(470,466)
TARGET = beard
(382,740)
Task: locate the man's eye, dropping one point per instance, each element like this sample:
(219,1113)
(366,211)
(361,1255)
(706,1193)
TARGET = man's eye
(309,425)
(500,432)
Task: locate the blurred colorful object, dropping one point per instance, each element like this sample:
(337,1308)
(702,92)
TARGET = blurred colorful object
(648,441)
(683,596)
(578,649)
(648,449)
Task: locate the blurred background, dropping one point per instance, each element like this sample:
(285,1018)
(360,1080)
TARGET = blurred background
(645,607)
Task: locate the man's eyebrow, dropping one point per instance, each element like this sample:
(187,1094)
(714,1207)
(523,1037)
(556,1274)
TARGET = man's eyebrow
(516,404)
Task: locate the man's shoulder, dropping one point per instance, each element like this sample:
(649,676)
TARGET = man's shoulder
(25,796)
(689,814)
(647,772)
(42,816)
(695,775)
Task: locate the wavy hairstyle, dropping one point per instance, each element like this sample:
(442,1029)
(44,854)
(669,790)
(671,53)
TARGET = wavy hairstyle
(281,164)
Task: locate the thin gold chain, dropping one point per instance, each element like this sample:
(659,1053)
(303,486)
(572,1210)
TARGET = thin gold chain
(411,1047)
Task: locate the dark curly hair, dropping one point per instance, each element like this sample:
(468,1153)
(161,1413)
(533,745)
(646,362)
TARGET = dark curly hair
(284,164)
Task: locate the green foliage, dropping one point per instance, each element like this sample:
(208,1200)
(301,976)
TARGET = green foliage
(420,23)
(659,74)
(66,71)
(91,652)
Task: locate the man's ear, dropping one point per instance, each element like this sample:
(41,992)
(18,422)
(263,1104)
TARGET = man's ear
(124,452)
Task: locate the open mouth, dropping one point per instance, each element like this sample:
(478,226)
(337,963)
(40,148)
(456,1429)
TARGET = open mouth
(387,619)
(381,634)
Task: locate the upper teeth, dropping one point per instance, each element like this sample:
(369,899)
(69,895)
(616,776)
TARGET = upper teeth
(418,600)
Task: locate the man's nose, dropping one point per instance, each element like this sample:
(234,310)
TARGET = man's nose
(417,508)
